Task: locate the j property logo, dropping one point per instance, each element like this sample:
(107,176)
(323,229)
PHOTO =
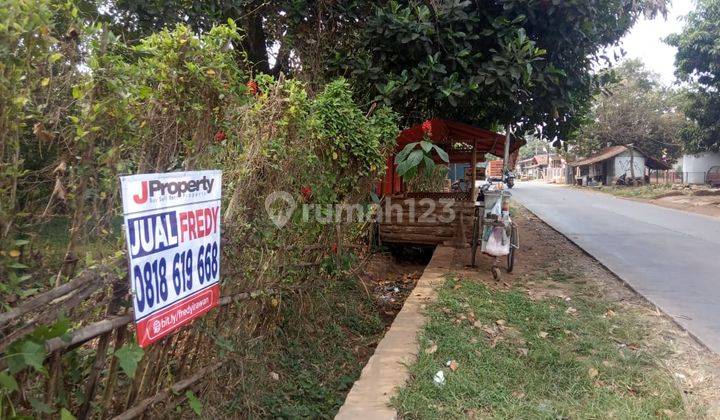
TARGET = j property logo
(149,189)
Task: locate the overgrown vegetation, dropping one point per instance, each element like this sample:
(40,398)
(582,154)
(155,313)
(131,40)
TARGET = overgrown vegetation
(520,358)
(303,369)
(86,107)
(486,63)
(93,91)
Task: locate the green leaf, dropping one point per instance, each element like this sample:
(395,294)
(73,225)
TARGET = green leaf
(129,356)
(415,158)
(18,266)
(66,415)
(33,355)
(429,165)
(56,329)
(426,146)
(405,152)
(443,154)
(402,168)
(40,406)
(194,403)
(76,92)
(8,382)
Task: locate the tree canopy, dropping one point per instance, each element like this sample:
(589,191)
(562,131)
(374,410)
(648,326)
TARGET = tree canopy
(635,109)
(527,62)
(697,62)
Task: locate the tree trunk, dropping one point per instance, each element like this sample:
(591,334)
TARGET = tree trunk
(254,41)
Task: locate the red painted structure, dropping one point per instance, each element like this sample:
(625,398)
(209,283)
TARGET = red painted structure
(446,133)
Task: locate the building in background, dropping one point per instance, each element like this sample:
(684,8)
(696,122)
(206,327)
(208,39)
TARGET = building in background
(548,167)
(611,163)
(695,168)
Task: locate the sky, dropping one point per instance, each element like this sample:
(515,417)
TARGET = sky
(644,41)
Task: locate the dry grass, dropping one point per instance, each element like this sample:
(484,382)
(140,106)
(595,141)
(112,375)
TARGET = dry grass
(552,275)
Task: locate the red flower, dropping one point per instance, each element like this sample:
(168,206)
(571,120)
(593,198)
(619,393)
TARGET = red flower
(219,136)
(427,127)
(306,192)
(253,86)
(334,248)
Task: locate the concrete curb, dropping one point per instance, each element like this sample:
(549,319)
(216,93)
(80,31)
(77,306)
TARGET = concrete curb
(387,369)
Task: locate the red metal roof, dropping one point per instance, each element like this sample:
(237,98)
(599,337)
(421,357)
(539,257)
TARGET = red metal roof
(447,132)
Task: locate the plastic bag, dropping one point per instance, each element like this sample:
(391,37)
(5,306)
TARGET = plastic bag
(497,208)
(498,243)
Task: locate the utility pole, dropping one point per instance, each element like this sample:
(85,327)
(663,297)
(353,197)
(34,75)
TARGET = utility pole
(506,155)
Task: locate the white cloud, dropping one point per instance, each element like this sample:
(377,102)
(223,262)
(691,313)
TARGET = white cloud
(645,40)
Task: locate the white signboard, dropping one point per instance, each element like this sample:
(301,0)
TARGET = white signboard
(172,228)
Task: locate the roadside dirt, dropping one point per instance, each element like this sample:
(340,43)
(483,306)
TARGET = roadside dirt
(549,265)
(698,199)
(709,205)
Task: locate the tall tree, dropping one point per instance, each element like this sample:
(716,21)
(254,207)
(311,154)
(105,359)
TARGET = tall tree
(698,62)
(636,109)
(485,62)
(524,61)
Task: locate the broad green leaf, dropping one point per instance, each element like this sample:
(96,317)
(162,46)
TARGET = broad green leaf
(8,382)
(415,157)
(33,355)
(426,146)
(443,154)
(403,167)
(129,356)
(405,152)
(429,165)
(194,403)
(66,415)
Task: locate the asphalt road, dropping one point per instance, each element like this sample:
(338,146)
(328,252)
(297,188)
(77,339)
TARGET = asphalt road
(669,256)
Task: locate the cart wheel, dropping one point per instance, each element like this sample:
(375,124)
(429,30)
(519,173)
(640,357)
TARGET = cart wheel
(513,246)
(496,273)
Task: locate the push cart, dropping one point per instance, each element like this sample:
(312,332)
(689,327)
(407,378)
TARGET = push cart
(487,218)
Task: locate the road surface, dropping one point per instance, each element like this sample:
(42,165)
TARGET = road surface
(669,256)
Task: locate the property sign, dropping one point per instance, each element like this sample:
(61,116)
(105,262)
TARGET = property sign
(172,228)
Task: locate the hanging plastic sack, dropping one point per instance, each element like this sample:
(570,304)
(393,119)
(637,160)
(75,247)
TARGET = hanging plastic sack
(498,243)
(497,208)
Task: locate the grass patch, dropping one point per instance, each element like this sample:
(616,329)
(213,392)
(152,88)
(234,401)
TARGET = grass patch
(317,347)
(542,360)
(647,192)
